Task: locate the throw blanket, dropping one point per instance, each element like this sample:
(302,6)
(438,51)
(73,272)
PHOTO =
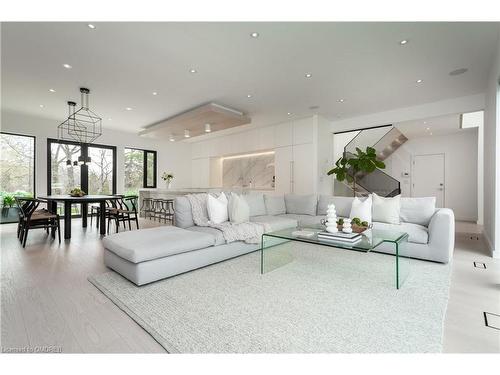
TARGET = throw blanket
(248,232)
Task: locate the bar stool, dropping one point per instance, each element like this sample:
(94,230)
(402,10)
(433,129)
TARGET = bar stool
(147,207)
(165,210)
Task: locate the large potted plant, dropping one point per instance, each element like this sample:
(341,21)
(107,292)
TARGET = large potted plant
(349,167)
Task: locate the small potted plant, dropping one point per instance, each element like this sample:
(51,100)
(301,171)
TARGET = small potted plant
(167,177)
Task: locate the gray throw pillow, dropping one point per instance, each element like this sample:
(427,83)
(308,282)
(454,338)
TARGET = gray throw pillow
(256,203)
(239,210)
(275,204)
(301,204)
(183,213)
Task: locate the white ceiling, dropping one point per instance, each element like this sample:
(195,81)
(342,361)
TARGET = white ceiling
(123,63)
(433,126)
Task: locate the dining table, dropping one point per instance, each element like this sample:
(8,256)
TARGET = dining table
(68,201)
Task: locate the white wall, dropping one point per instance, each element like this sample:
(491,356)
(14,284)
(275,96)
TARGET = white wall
(172,157)
(461,157)
(492,158)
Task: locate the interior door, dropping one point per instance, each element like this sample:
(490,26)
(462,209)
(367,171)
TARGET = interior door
(428,177)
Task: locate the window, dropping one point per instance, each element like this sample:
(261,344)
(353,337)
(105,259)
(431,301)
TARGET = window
(17,172)
(96,177)
(140,170)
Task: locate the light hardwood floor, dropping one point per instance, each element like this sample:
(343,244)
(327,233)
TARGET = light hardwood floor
(47,300)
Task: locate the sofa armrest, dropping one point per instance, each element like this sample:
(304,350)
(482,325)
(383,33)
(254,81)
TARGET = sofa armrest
(442,234)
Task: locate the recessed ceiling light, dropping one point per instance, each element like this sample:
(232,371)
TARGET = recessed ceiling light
(425,122)
(67,66)
(41,105)
(419,80)
(254,34)
(110,119)
(308,75)
(457,72)
(341,100)
(192,71)
(403,42)
(208,128)
(427,128)
(430,133)
(52,90)
(186,134)
(289,113)
(91,26)
(128,109)
(155,93)
(171,139)
(249,95)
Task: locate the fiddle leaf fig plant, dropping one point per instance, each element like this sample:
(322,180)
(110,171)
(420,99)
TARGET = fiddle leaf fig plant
(346,168)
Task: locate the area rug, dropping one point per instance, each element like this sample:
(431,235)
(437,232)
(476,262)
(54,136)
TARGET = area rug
(324,301)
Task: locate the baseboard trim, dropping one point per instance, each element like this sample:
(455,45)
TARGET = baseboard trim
(494,254)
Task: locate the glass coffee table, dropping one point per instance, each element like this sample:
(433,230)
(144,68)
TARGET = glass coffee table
(272,258)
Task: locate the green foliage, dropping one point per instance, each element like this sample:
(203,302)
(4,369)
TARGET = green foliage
(356,221)
(364,224)
(8,200)
(363,161)
(340,221)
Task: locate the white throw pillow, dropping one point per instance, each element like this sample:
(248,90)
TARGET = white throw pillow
(362,209)
(239,210)
(417,210)
(386,210)
(217,208)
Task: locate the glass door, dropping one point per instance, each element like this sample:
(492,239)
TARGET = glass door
(65,176)
(65,172)
(17,172)
(101,170)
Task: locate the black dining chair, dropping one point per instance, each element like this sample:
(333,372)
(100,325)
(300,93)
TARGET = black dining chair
(30,217)
(123,210)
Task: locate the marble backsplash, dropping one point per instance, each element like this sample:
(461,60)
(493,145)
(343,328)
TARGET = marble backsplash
(255,172)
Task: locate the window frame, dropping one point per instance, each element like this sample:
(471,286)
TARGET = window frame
(84,169)
(145,166)
(34,155)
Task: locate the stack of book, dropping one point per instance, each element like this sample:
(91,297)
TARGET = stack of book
(349,238)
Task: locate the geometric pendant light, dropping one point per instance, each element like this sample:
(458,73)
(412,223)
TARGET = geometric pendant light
(83,125)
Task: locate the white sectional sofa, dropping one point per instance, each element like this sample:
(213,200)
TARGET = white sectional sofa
(148,255)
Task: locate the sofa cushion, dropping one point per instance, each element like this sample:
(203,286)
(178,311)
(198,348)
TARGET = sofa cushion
(217,208)
(275,222)
(417,210)
(275,204)
(416,233)
(305,220)
(239,210)
(362,209)
(301,204)
(183,213)
(342,205)
(216,233)
(256,203)
(147,244)
(386,210)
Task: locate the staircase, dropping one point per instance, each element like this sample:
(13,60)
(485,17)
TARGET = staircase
(385,142)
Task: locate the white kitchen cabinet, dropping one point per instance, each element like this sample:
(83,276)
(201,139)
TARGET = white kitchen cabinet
(294,169)
(303,131)
(283,134)
(303,174)
(283,163)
